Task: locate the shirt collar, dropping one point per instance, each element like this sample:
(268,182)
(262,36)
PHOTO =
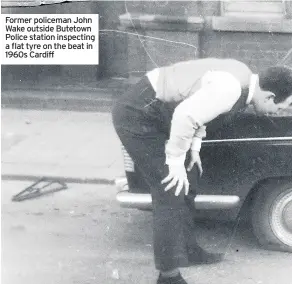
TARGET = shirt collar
(252,86)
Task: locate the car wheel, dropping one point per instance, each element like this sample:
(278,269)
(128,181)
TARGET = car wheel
(272,216)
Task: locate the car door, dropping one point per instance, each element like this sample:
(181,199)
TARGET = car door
(240,151)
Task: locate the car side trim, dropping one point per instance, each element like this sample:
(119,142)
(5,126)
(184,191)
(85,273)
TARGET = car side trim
(238,140)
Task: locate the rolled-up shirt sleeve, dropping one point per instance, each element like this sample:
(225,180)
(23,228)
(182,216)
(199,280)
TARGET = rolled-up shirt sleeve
(218,93)
(197,139)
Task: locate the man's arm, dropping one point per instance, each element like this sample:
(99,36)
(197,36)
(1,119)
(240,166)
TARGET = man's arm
(219,92)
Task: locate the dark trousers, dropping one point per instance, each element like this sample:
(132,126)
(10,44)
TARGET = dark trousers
(143,124)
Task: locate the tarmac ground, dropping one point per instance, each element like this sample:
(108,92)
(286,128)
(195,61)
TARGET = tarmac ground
(81,235)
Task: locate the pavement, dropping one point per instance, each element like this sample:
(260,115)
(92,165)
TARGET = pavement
(56,93)
(69,145)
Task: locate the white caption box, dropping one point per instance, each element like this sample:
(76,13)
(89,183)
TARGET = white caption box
(53,39)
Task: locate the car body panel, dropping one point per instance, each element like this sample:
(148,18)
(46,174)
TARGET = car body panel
(238,154)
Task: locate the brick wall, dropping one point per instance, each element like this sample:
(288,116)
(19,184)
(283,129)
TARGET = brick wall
(170,8)
(146,54)
(124,55)
(257,49)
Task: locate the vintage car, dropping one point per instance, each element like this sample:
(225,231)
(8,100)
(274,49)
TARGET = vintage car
(247,162)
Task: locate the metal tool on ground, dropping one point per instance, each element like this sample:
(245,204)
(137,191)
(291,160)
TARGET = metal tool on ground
(44,186)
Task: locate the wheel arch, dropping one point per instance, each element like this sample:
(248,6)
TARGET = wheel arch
(244,211)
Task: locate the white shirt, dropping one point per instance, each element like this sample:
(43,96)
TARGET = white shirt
(218,93)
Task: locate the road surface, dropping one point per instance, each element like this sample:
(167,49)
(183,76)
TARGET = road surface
(80,235)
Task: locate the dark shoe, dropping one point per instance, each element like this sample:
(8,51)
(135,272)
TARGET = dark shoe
(200,256)
(171,280)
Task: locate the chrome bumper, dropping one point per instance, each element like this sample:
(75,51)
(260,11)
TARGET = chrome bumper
(143,201)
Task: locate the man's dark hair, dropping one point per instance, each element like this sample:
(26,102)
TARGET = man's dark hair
(277,79)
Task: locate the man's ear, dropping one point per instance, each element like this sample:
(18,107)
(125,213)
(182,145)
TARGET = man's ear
(264,96)
(269,96)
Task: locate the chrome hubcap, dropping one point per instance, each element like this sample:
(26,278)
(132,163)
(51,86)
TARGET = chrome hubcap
(281,218)
(288,216)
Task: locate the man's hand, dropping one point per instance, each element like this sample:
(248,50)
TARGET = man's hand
(177,177)
(195,159)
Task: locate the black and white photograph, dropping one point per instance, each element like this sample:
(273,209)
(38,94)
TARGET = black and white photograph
(146,142)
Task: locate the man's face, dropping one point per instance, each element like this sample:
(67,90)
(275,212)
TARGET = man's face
(264,104)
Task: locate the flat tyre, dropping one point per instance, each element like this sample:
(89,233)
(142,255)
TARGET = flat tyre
(272,215)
